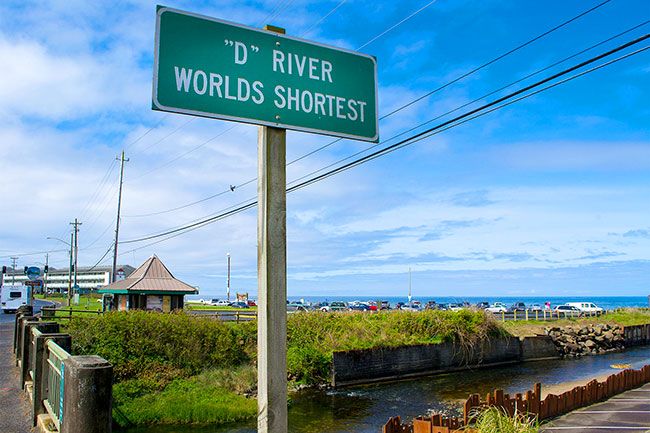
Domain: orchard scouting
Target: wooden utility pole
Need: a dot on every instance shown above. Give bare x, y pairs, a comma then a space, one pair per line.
45, 272
117, 221
70, 272
74, 245
272, 278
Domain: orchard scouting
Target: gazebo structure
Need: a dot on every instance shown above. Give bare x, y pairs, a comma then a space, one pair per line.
150, 287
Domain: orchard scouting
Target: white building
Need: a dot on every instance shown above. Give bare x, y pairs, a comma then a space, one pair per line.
58, 279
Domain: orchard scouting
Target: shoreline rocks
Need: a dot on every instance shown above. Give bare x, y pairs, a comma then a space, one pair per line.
576, 341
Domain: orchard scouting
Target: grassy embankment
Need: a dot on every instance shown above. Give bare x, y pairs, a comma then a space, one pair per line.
622, 317
173, 368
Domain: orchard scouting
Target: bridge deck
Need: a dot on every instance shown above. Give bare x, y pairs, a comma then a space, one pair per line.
627, 412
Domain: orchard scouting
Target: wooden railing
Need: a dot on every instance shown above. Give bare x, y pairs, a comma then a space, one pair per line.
529, 403
64, 313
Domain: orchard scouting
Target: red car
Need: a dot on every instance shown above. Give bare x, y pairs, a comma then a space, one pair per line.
251, 303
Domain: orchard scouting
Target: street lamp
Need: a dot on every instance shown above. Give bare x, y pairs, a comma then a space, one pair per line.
70, 268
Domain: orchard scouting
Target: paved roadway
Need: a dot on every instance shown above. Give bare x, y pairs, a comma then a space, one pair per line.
38, 303
14, 407
627, 412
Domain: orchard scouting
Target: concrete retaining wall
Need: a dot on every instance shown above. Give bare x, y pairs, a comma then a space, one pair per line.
637, 335
373, 365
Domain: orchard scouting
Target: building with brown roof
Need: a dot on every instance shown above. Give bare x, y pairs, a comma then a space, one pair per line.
150, 287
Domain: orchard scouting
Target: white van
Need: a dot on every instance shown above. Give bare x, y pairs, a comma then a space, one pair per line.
13, 297
586, 307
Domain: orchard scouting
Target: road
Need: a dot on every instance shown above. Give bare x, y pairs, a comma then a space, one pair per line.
38, 303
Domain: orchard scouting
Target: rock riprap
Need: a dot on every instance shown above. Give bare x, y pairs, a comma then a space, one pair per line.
576, 341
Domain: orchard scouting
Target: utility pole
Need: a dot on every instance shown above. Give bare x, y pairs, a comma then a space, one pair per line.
76, 225
228, 285
117, 223
13, 271
70, 272
46, 270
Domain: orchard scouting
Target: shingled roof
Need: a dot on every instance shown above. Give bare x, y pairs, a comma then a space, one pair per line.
152, 276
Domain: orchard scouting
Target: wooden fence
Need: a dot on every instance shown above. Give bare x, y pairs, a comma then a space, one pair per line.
529, 403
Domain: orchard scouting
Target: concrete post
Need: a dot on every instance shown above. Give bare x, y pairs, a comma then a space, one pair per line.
19, 314
41, 366
87, 401
27, 346
271, 282
18, 335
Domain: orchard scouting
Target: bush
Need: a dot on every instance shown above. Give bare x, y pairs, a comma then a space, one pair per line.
145, 343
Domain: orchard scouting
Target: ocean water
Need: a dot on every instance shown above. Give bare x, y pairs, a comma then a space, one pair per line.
606, 302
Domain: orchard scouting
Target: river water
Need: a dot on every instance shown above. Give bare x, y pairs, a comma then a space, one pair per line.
364, 409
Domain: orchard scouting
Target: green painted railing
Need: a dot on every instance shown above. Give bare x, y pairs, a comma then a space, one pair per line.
53, 397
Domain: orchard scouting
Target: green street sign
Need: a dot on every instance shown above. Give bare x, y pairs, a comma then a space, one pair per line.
207, 67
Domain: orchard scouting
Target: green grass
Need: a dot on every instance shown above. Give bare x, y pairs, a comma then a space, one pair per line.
213, 397
621, 317
495, 420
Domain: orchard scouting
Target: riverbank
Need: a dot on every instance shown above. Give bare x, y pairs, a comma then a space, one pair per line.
161, 359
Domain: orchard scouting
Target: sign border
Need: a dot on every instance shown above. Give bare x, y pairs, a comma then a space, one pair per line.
156, 105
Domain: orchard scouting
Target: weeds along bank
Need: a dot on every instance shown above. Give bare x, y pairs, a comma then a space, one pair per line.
176, 368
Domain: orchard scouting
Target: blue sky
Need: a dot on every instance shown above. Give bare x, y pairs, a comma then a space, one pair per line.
548, 196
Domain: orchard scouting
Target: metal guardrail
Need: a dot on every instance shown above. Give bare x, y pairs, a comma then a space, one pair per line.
53, 397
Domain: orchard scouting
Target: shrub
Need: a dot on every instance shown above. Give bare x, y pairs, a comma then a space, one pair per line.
138, 342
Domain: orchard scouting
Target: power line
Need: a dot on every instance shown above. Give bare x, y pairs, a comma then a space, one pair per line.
341, 3
459, 78
424, 134
185, 153
496, 59
397, 24
110, 248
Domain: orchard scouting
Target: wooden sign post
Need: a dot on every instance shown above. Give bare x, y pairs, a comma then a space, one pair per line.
272, 279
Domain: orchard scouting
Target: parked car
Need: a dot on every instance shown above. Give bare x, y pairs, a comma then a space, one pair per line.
296, 306
442, 307
219, 303
335, 306
497, 307
360, 306
431, 305
239, 304
517, 306
586, 307
385, 305
412, 307
568, 310
535, 307
251, 303
456, 307
483, 305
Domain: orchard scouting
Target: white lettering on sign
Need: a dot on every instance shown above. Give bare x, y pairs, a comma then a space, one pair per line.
319, 104
217, 85
240, 89
318, 69
241, 53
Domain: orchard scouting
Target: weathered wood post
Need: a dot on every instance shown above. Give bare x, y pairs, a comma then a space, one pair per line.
272, 282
